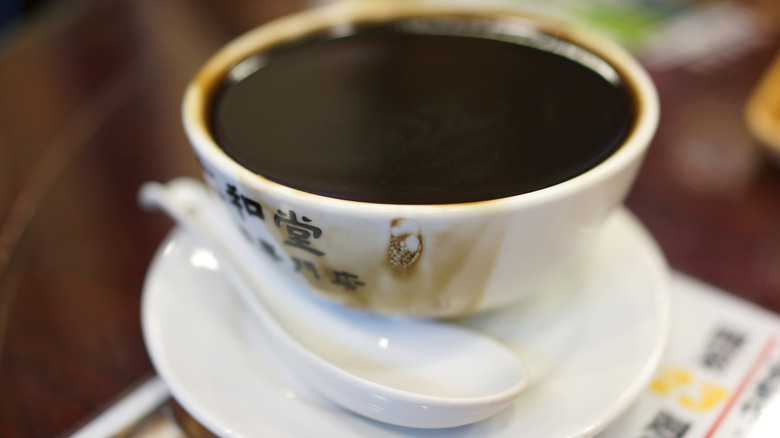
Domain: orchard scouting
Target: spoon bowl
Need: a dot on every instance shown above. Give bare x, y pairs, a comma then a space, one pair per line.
398, 370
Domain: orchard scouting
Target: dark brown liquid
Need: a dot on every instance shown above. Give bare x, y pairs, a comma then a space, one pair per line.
419, 119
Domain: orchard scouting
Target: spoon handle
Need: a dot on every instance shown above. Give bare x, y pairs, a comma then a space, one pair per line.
182, 200
179, 202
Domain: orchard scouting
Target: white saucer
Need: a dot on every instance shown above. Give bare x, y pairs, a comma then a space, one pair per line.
591, 339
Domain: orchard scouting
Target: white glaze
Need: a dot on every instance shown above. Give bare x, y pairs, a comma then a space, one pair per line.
591, 339
469, 257
401, 371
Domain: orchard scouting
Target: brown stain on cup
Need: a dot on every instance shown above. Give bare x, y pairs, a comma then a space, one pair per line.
472, 255
405, 246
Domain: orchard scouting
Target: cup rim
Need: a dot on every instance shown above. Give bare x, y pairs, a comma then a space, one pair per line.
205, 83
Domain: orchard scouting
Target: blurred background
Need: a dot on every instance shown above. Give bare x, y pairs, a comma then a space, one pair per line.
89, 109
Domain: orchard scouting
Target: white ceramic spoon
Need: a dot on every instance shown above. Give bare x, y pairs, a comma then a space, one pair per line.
402, 371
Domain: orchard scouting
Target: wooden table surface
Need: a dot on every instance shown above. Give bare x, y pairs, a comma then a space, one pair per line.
89, 110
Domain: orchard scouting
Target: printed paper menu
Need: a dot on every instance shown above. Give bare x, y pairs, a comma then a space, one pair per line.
720, 375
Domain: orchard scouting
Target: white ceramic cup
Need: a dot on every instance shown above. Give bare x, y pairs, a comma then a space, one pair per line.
443, 260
